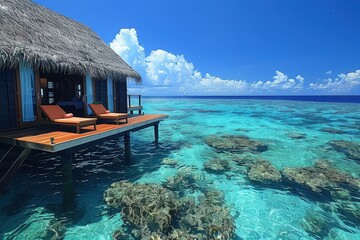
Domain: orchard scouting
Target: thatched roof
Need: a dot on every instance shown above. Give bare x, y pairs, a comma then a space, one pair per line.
54, 43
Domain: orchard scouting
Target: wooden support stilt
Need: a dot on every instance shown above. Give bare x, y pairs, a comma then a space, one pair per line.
127, 146
10, 163
68, 181
156, 133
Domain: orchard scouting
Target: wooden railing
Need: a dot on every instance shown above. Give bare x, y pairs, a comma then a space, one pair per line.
135, 107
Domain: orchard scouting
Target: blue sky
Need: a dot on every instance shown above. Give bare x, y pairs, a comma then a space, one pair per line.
231, 47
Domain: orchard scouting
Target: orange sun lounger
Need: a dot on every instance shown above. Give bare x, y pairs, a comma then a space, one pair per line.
101, 112
56, 115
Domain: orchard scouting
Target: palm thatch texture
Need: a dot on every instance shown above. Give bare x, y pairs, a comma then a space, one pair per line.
54, 43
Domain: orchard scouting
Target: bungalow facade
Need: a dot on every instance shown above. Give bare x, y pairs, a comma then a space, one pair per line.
47, 58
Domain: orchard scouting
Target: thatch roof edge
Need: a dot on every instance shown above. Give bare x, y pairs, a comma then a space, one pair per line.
51, 42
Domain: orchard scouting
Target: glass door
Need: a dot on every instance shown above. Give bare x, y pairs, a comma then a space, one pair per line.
27, 97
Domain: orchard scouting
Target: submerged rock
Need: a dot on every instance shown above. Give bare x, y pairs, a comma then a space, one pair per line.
351, 149
234, 143
340, 193
348, 211
295, 135
217, 165
316, 224
332, 130
262, 171
322, 178
242, 130
151, 211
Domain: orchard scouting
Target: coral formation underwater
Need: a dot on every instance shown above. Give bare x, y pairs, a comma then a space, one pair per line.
151, 211
351, 149
233, 143
185, 207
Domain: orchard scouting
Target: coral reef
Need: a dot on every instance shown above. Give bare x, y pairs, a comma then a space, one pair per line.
170, 162
262, 171
217, 165
332, 130
351, 149
234, 143
209, 216
154, 212
244, 160
186, 180
322, 178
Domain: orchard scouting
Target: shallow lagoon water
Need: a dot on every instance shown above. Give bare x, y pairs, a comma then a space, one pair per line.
31, 207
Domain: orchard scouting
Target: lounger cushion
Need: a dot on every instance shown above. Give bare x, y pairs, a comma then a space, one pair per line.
53, 111
114, 115
75, 120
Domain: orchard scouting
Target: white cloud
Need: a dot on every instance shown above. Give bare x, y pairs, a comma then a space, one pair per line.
165, 73
282, 82
328, 72
343, 83
126, 44
164, 68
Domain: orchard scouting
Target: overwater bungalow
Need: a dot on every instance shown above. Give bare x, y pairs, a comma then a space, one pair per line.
49, 59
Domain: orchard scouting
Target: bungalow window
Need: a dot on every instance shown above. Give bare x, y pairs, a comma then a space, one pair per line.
47, 91
78, 91
100, 91
50, 92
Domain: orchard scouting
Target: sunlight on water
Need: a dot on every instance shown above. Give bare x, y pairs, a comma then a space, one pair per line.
296, 135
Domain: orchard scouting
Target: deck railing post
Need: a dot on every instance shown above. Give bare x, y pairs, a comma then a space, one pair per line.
127, 146
156, 133
139, 104
68, 181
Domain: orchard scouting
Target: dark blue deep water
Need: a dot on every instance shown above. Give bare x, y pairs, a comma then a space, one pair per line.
308, 98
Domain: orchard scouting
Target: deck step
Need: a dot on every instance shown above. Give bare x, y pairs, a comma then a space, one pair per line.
10, 164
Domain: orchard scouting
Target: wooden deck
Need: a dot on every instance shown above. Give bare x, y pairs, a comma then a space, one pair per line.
39, 137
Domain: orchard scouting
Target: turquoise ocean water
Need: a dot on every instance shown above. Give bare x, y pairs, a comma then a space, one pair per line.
292, 130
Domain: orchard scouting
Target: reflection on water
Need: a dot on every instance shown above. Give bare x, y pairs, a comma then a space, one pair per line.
303, 184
